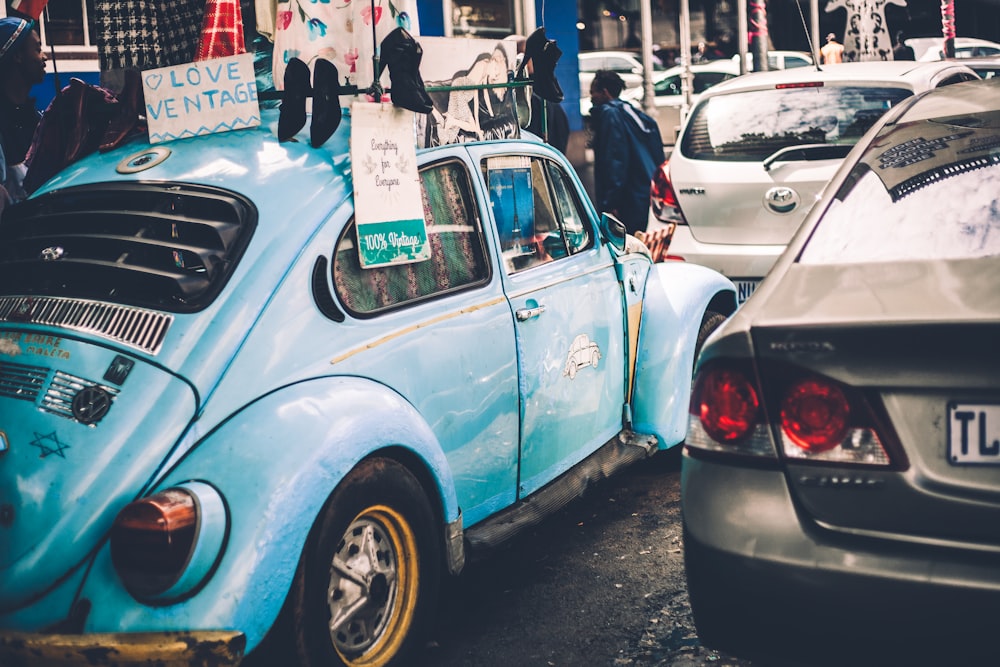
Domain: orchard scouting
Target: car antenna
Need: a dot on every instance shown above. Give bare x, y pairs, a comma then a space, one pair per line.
812, 46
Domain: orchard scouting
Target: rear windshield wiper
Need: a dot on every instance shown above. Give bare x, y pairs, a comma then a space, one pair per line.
807, 152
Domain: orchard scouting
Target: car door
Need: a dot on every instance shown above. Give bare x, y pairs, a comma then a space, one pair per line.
566, 301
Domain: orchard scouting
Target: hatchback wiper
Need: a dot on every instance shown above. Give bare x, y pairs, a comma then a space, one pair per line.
804, 152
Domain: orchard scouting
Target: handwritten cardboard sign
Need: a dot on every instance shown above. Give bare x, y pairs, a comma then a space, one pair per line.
388, 206
201, 98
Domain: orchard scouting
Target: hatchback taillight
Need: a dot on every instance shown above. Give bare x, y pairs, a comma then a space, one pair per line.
662, 198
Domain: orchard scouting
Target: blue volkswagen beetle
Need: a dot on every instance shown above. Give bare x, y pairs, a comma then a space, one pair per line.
216, 420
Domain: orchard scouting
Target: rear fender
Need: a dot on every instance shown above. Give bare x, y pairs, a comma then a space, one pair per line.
676, 298
275, 463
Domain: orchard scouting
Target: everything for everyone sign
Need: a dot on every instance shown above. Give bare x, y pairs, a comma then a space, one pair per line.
201, 98
388, 206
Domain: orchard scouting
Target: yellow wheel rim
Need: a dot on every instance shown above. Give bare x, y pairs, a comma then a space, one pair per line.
374, 583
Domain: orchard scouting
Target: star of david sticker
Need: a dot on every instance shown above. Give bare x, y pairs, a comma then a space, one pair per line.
49, 444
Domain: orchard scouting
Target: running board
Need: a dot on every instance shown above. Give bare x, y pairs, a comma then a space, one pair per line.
621, 451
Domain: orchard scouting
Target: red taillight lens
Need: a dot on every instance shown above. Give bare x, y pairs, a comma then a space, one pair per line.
726, 403
152, 539
815, 414
662, 198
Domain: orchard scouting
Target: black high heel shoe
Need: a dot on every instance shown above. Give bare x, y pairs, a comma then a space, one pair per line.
292, 115
402, 54
543, 53
326, 112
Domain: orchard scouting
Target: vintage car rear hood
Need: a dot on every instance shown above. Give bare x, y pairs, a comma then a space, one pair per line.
62, 479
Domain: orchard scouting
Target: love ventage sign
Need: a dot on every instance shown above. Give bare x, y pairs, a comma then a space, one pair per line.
202, 97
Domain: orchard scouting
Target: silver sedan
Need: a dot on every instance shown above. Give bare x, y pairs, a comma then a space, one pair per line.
841, 476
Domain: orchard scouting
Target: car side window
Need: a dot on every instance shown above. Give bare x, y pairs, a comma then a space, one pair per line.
671, 85
538, 217
956, 78
458, 252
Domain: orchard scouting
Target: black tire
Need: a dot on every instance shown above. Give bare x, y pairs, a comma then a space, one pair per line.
711, 321
365, 591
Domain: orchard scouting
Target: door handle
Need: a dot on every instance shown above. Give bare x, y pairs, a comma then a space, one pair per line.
523, 314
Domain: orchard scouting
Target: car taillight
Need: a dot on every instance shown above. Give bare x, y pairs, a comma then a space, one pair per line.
164, 545
726, 413
662, 198
822, 420
152, 538
727, 404
814, 415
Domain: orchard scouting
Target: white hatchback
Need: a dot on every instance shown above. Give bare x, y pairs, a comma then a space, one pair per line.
757, 151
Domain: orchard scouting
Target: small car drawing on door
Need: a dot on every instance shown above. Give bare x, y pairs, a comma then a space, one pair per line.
582, 353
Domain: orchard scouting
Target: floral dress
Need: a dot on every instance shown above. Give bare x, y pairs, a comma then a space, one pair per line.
340, 31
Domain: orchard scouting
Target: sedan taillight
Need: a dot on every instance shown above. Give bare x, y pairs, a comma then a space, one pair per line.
822, 420
662, 198
726, 413
816, 418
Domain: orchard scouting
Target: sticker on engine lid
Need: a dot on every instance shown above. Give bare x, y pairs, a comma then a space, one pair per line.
15, 343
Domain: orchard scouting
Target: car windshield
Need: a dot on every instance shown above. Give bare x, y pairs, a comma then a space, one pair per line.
750, 126
929, 194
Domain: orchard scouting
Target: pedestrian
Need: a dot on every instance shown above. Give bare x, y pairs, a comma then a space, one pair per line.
627, 150
901, 51
833, 51
22, 65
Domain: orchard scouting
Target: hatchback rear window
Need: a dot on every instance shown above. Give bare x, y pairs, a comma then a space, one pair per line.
750, 126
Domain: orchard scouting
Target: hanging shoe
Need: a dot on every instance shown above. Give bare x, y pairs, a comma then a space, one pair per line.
546, 84
543, 53
326, 112
402, 54
533, 45
292, 115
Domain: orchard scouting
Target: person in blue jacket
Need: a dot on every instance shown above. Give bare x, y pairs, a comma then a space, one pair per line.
627, 150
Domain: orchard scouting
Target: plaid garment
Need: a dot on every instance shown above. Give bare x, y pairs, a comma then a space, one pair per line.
145, 34
222, 32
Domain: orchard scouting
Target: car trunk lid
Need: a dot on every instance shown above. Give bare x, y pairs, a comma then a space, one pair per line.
918, 341
741, 204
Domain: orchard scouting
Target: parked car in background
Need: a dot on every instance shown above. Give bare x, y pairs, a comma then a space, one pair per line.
226, 408
841, 475
932, 48
627, 64
669, 95
779, 60
757, 151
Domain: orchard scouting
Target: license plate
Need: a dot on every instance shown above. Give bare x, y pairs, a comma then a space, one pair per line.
744, 288
974, 433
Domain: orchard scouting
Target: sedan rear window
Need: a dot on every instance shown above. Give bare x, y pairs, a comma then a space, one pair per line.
924, 190
750, 126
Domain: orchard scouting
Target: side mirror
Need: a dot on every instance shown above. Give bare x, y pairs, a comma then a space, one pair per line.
613, 230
